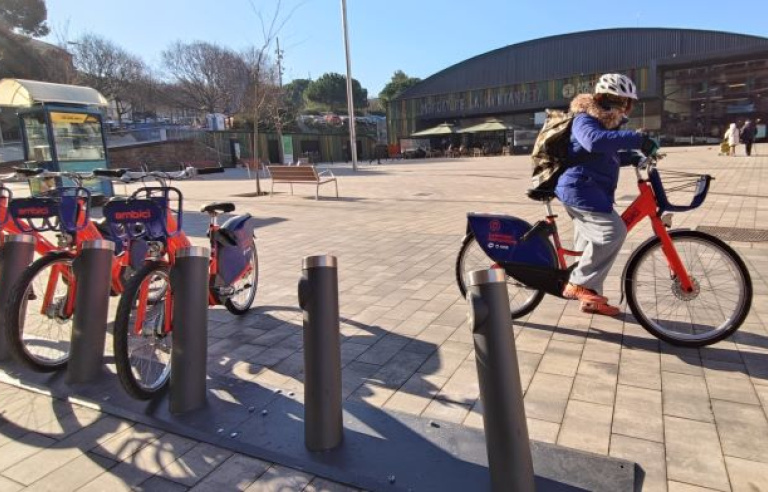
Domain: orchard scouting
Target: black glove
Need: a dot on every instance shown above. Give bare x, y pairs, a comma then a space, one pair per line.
650, 146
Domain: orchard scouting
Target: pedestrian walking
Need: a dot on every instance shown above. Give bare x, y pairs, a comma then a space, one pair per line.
732, 135
748, 136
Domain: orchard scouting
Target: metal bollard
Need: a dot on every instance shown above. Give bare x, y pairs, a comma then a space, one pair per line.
15, 256
189, 354
506, 431
319, 299
93, 272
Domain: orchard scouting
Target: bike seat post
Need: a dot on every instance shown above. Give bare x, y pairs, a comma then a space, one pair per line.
548, 207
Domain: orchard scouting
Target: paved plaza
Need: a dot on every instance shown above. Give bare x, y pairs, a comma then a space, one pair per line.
694, 420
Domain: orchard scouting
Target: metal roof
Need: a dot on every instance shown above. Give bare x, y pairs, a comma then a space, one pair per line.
24, 93
582, 52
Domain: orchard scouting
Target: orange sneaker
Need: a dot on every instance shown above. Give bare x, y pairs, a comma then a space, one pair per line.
599, 307
573, 291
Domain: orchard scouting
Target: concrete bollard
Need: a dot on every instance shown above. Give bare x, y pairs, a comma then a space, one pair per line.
189, 354
319, 299
16, 253
506, 430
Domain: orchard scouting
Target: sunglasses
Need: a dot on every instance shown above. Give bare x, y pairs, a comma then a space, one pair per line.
615, 102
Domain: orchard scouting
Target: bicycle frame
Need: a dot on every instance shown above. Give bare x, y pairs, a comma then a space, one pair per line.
645, 205
175, 242
535, 256
88, 232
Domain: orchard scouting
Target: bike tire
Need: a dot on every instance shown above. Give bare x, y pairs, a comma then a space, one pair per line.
518, 310
671, 293
17, 320
130, 379
242, 308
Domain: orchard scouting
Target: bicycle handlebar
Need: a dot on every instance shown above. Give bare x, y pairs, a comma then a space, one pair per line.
131, 176
210, 170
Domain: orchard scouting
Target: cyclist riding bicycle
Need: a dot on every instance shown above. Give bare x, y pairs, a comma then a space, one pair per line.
588, 185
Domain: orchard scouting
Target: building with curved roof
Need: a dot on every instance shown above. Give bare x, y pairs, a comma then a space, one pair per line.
692, 83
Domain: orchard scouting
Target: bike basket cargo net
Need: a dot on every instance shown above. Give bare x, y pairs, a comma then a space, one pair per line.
678, 191
60, 210
134, 218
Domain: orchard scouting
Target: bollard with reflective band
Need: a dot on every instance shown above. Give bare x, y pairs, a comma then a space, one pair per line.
189, 353
319, 299
506, 431
16, 253
93, 272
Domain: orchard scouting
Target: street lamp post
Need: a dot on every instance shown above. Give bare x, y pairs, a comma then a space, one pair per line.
350, 101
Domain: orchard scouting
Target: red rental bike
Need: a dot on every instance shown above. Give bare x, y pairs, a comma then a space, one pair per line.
683, 286
153, 216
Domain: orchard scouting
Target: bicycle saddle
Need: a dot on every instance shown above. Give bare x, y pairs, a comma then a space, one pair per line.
221, 207
541, 195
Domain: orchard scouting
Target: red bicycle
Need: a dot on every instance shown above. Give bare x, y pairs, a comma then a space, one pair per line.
153, 219
41, 305
683, 286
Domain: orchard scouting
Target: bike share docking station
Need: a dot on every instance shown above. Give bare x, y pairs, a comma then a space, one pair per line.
16, 253
356, 443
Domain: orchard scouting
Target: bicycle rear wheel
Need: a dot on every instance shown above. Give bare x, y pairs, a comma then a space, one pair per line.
718, 305
142, 344
522, 299
245, 288
38, 326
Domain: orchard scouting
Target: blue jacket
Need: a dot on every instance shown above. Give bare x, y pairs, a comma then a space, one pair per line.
589, 183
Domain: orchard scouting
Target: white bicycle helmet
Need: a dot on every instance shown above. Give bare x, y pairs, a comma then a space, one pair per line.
616, 84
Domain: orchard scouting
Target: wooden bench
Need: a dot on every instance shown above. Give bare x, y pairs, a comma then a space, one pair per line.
306, 174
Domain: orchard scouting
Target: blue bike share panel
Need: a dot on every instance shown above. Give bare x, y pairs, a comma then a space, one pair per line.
501, 238
235, 240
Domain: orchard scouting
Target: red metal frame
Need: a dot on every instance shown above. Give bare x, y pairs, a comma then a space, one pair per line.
174, 244
644, 206
89, 233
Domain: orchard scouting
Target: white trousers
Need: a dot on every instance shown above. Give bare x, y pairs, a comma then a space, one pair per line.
600, 237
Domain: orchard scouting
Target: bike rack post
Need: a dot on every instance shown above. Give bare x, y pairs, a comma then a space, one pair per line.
319, 299
92, 269
189, 353
15, 255
506, 430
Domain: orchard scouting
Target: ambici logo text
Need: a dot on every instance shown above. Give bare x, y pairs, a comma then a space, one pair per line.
33, 212
133, 215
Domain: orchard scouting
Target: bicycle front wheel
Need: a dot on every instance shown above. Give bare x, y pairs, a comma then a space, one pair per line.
38, 315
718, 305
522, 299
142, 340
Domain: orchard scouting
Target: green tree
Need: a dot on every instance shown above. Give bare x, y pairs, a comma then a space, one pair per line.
396, 86
293, 93
24, 17
331, 90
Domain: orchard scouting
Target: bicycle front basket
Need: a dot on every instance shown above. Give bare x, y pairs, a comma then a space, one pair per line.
678, 186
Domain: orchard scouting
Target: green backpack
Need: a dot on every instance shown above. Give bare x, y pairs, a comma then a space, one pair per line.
550, 153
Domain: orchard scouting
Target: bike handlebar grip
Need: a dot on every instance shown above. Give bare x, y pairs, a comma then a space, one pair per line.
506, 430
109, 173
27, 171
93, 274
189, 353
319, 299
210, 170
16, 253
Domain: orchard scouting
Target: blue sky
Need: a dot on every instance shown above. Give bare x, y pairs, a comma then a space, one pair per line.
420, 37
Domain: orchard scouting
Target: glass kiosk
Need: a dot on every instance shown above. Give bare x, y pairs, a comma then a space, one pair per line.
62, 130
